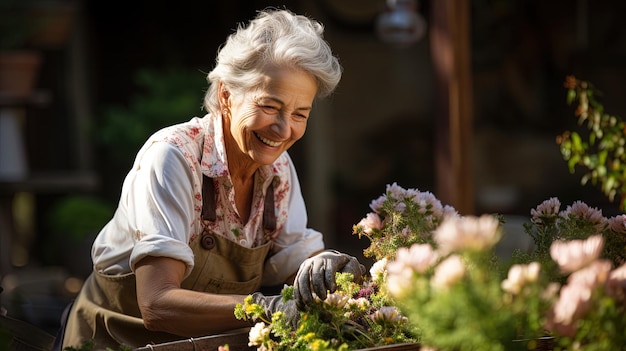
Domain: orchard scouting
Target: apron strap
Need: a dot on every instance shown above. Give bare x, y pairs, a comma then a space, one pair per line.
208, 199
209, 204
269, 212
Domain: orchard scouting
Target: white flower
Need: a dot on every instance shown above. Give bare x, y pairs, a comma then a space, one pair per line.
336, 299
467, 233
361, 303
388, 314
520, 275
379, 269
448, 272
258, 334
574, 254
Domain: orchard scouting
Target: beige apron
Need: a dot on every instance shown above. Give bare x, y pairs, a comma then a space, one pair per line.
106, 310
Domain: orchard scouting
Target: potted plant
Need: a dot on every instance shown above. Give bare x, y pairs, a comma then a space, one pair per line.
74, 222
27, 27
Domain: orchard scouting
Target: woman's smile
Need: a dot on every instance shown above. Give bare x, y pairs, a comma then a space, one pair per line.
267, 141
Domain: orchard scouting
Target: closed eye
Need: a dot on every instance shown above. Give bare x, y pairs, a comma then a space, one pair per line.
301, 115
269, 109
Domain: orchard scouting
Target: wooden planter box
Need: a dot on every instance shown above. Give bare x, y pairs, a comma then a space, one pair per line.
239, 342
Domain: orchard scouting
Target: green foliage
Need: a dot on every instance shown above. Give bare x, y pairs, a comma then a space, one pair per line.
166, 97
474, 313
79, 216
599, 149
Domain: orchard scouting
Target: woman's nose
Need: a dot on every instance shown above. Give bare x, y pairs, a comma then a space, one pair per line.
280, 126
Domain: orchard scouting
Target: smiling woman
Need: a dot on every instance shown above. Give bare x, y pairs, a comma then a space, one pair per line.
211, 210
275, 114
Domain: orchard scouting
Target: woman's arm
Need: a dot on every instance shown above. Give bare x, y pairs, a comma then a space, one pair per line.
166, 307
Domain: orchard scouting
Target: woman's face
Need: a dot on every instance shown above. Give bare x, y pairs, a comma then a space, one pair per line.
266, 122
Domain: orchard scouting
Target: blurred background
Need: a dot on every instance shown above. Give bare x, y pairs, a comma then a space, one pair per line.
461, 98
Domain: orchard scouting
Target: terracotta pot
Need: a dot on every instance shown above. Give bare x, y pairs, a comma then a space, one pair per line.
18, 73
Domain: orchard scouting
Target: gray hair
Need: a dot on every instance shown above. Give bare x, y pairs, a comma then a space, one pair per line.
274, 38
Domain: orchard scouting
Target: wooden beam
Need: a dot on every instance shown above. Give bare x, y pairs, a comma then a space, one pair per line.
451, 58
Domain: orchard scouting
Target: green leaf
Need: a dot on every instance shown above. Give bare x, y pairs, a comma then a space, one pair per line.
571, 96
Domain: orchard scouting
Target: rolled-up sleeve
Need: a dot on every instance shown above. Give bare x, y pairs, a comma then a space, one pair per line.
161, 207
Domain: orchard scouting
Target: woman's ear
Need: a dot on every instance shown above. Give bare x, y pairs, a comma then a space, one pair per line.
224, 95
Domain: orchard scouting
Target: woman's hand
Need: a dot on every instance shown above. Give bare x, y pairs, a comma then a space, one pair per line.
316, 275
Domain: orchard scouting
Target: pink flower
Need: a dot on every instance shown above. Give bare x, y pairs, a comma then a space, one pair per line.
427, 202
616, 284
519, 275
467, 233
546, 211
593, 275
370, 223
449, 211
581, 210
573, 303
395, 191
574, 254
399, 278
574, 300
618, 224
377, 205
418, 258
448, 272
400, 207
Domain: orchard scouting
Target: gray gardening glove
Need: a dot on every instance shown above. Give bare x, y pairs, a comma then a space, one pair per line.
317, 275
275, 303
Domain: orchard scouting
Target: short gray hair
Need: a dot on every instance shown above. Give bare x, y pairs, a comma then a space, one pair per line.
274, 38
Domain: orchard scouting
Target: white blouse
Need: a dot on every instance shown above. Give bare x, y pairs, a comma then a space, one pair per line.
161, 202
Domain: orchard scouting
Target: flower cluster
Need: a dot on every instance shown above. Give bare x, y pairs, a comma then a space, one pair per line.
590, 308
400, 218
577, 221
437, 281
453, 290
571, 288
355, 316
